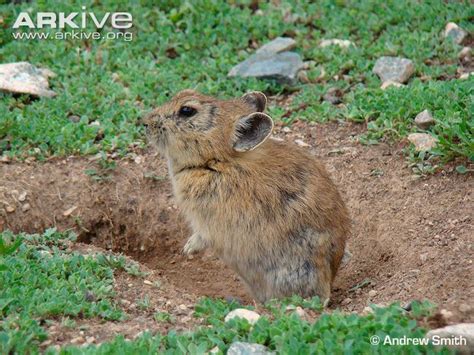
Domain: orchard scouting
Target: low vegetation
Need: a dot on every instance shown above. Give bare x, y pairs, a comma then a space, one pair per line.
104, 86
43, 279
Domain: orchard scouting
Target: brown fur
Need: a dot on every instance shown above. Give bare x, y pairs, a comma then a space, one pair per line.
272, 213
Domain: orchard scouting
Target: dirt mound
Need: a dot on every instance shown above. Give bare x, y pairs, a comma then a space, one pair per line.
412, 237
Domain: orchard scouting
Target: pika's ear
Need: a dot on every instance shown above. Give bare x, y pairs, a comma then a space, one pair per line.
251, 131
255, 99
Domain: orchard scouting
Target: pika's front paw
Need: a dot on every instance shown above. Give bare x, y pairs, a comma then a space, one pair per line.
194, 244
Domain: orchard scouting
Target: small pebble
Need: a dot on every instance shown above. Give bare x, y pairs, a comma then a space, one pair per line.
300, 312
446, 314
78, 340
22, 196
346, 301
343, 43
10, 209
367, 310
465, 53
251, 316
214, 350
466, 75
46, 343
301, 143
424, 257
424, 120
422, 141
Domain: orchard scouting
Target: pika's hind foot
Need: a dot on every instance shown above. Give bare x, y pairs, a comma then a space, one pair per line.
194, 244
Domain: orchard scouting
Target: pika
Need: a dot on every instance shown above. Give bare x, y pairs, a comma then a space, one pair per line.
268, 209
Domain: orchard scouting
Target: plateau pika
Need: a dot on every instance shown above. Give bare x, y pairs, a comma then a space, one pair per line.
268, 209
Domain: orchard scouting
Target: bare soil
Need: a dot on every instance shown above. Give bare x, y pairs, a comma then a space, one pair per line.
412, 236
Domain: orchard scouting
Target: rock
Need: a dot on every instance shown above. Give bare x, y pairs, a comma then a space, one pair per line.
346, 301
466, 75
367, 310
422, 141
10, 209
447, 315
394, 68
300, 312
182, 309
301, 143
423, 257
389, 83
69, 211
456, 33
465, 53
333, 96
240, 348
424, 120
26, 207
90, 340
149, 283
78, 340
343, 43
125, 302
372, 293
278, 45
272, 61
46, 343
74, 118
22, 196
251, 316
461, 337
286, 129
282, 67
24, 78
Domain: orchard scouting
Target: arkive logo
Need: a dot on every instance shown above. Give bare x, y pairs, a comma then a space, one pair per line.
118, 20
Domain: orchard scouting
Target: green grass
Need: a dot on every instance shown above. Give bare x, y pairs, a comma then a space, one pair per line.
282, 331
208, 38
42, 280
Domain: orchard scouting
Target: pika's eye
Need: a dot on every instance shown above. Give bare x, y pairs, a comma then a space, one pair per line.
187, 111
